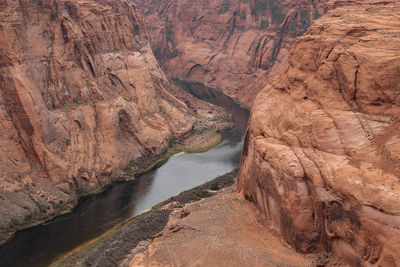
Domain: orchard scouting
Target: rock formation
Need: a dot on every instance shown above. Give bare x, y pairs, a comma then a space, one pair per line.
222, 230
321, 159
234, 45
81, 94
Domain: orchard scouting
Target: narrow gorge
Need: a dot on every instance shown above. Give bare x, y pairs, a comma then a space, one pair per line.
234, 45
131, 118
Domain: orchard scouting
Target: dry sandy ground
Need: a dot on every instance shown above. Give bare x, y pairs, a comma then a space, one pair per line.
222, 230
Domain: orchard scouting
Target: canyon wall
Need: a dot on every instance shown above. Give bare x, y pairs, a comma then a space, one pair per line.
81, 94
233, 45
321, 159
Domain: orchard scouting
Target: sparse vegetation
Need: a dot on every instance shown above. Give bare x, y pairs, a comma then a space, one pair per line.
147, 163
201, 193
214, 186
100, 188
114, 245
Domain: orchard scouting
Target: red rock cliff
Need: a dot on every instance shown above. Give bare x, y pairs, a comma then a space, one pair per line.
234, 45
321, 159
81, 94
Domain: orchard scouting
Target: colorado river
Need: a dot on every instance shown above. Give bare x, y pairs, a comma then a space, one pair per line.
94, 215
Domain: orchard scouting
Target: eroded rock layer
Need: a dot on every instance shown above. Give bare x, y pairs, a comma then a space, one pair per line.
233, 45
218, 231
81, 94
321, 158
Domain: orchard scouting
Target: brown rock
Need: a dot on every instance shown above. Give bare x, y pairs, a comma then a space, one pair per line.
229, 44
222, 230
390, 254
81, 96
321, 153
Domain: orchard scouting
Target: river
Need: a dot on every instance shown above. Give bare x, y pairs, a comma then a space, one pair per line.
95, 214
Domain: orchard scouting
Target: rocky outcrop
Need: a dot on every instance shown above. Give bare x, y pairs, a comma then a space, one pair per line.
81, 95
321, 159
233, 45
222, 230
208, 225
119, 245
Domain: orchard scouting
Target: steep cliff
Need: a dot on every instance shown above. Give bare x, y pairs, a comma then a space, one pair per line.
322, 153
81, 95
234, 45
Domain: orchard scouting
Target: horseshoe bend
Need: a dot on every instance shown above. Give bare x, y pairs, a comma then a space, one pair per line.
207, 132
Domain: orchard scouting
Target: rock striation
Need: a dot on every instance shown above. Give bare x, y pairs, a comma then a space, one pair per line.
321, 159
233, 45
81, 94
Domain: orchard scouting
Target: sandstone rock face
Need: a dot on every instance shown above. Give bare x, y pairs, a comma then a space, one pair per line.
234, 45
81, 94
321, 157
218, 231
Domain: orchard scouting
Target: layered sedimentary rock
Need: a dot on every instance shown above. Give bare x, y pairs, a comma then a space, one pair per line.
81, 94
233, 45
321, 159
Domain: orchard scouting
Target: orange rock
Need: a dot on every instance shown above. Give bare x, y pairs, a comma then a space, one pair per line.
222, 230
321, 154
390, 254
81, 95
229, 44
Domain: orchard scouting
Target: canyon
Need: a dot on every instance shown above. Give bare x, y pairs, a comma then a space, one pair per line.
82, 95
87, 94
233, 45
321, 160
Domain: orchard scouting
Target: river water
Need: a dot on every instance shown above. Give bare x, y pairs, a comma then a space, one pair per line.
94, 215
